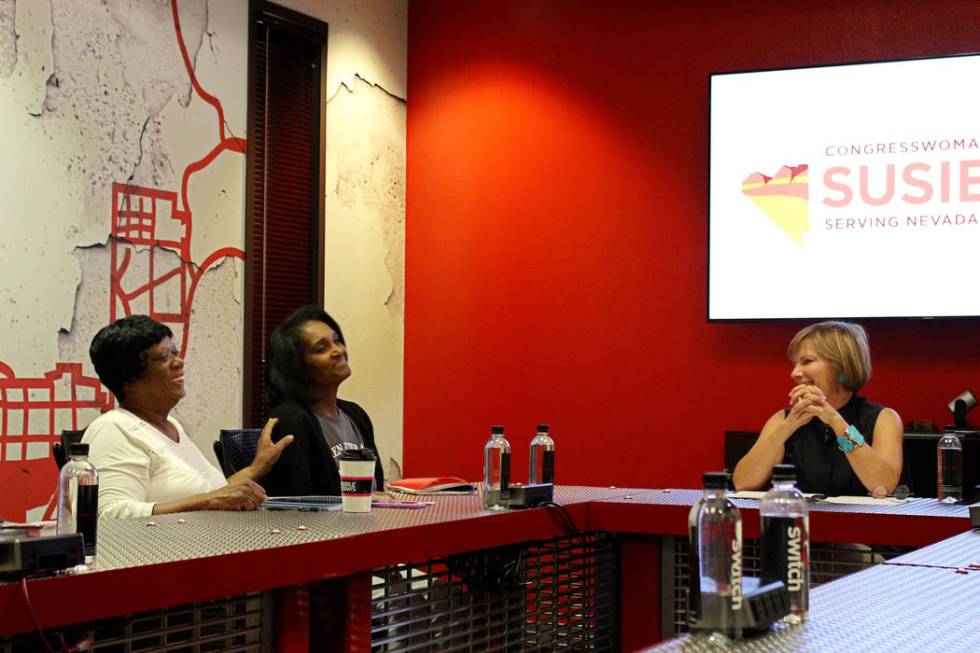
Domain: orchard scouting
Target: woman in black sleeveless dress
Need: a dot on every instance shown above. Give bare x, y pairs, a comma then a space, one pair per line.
840, 442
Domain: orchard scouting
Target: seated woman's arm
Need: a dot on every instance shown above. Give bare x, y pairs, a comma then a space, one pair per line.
880, 465
124, 472
124, 479
242, 495
755, 468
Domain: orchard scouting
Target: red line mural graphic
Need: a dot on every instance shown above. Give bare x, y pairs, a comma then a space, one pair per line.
33, 413
151, 272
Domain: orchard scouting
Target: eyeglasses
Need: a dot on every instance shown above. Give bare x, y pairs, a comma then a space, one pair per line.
164, 359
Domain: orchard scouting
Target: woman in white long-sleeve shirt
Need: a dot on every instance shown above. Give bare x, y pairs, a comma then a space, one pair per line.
147, 465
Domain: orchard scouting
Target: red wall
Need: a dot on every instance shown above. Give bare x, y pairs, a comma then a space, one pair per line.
557, 225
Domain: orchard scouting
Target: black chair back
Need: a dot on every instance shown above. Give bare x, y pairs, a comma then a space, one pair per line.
737, 444
59, 450
219, 453
905, 478
237, 449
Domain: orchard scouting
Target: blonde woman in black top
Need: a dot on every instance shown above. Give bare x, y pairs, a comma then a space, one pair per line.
840, 442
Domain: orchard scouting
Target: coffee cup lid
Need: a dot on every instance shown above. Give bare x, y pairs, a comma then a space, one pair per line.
357, 455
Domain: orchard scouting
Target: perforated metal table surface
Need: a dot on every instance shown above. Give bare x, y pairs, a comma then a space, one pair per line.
170, 538
884, 609
686, 497
959, 552
664, 512
152, 562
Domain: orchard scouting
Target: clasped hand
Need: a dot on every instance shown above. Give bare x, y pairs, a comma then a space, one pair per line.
807, 402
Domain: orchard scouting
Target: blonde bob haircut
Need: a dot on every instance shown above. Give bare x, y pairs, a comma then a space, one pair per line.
842, 343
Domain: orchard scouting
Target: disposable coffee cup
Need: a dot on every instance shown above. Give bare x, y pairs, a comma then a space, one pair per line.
356, 479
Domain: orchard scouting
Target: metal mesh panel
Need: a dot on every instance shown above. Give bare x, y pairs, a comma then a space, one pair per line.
232, 624
561, 594
828, 561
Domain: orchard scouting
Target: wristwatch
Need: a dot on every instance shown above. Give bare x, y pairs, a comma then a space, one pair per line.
850, 439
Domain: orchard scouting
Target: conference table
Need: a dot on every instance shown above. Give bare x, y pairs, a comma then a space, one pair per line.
926, 600
591, 573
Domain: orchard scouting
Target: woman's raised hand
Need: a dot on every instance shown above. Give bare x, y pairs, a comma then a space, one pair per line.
267, 452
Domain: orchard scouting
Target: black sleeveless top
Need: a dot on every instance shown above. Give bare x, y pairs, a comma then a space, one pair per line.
821, 466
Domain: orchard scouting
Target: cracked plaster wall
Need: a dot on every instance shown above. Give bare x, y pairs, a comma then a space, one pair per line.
365, 199
8, 38
94, 92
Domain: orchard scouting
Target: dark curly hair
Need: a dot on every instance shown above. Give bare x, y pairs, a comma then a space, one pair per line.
287, 377
118, 350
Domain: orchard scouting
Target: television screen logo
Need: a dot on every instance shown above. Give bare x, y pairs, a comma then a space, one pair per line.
784, 198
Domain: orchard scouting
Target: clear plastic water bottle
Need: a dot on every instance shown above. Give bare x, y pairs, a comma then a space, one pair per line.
496, 470
786, 540
949, 470
693, 566
716, 544
542, 457
78, 499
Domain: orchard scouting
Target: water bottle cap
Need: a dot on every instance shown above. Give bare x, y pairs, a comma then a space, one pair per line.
783, 472
715, 480
497, 430
77, 449
542, 427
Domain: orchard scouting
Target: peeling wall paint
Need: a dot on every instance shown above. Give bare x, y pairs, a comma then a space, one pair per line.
364, 283
367, 38
100, 120
365, 248
8, 38
117, 67
120, 185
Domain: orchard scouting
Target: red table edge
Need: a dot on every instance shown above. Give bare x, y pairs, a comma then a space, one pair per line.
137, 589
148, 587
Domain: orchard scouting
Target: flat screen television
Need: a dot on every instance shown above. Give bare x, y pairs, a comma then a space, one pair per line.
845, 191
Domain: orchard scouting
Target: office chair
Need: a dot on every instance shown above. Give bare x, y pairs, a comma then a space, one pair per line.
219, 453
237, 449
59, 450
905, 478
